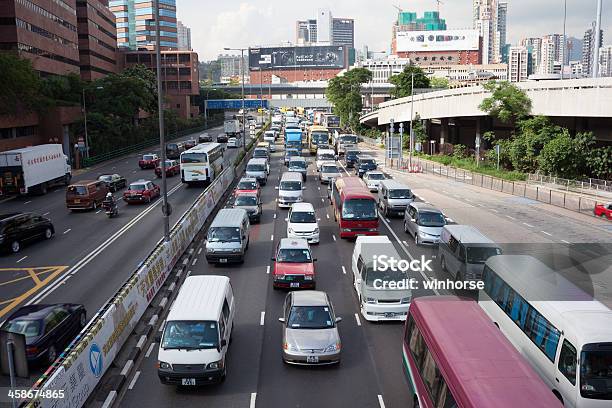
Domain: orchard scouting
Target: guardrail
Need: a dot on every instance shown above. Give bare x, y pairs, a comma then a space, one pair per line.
591, 186
82, 364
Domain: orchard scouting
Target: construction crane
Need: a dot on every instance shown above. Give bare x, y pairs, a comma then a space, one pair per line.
438, 2
398, 8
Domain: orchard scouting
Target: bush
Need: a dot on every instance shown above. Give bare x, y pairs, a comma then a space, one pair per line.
460, 151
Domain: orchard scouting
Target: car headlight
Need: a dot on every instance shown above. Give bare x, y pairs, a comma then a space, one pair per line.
308, 277
290, 347
423, 234
405, 300
373, 229
333, 347
215, 365
370, 300
236, 250
279, 277
316, 231
210, 250
164, 366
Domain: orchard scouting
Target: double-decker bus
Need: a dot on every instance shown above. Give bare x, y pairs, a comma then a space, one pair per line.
354, 208
455, 357
202, 163
317, 135
564, 333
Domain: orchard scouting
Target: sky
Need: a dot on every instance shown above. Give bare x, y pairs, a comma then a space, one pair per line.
241, 24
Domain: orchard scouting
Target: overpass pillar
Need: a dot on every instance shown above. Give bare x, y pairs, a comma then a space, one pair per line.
443, 131
480, 128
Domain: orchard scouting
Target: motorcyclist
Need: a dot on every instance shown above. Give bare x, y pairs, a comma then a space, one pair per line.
110, 203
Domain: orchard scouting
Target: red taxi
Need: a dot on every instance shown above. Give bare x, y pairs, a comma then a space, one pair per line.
148, 161
603, 211
247, 185
172, 168
142, 191
293, 265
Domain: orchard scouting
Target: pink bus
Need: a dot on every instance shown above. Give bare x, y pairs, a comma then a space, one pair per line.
455, 357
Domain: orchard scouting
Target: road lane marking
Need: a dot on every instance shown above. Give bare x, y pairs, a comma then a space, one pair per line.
511, 217
200, 251
148, 353
45, 214
529, 225
405, 243
274, 215
98, 212
262, 319
344, 270
27, 202
322, 200
494, 210
357, 319
195, 261
272, 237
133, 382
327, 215
380, 401
268, 270
253, 398
547, 233
566, 242
67, 231
334, 237
22, 259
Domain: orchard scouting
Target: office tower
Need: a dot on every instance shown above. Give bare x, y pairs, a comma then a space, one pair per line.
605, 61
534, 47
588, 44
184, 37
343, 32
136, 27
490, 18
97, 39
547, 56
333, 30
518, 64
324, 27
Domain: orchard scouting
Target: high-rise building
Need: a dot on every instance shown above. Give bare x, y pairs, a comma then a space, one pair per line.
547, 56
588, 51
325, 30
490, 19
136, 28
184, 37
97, 39
605, 61
324, 27
305, 32
534, 47
408, 21
343, 32
518, 64
231, 67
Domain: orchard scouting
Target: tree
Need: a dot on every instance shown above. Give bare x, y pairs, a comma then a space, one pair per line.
418, 131
508, 102
63, 89
403, 81
344, 92
565, 156
439, 83
600, 162
20, 85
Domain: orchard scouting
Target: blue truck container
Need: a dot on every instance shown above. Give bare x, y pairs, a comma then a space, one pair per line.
293, 138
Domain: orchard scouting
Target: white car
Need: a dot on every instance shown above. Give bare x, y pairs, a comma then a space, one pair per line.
270, 139
373, 179
324, 155
329, 170
233, 142
302, 223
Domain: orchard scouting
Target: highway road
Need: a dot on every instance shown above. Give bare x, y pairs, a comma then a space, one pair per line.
90, 256
371, 373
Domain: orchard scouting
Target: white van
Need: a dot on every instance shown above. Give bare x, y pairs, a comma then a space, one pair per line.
227, 238
258, 168
290, 189
195, 339
325, 155
379, 298
393, 197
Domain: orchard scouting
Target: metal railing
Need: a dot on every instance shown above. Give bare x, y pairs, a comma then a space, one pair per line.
591, 186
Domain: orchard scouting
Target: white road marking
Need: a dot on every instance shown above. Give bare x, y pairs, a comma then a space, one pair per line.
529, 225
322, 200
405, 243
98, 212
67, 231
268, 270
388, 220
274, 215
334, 237
148, 353
22, 259
185, 261
511, 217
253, 398
45, 214
133, 382
200, 251
195, 261
344, 270
327, 215
262, 318
566, 242
27, 202
272, 237
357, 319
380, 401
547, 233
494, 210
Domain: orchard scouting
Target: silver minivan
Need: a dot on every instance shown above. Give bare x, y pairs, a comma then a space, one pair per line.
290, 189
463, 251
393, 197
228, 236
424, 222
258, 168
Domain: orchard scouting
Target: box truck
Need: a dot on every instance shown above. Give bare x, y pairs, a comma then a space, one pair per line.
231, 127
33, 169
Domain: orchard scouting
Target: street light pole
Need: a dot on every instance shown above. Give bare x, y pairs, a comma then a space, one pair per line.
411, 120
564, 40
162, 140
243, 111
595, 73
85, 119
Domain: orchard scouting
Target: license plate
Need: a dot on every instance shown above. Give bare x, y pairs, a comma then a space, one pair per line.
223, 260
312, 359
294, 285
77, 201
188, 381
390, 314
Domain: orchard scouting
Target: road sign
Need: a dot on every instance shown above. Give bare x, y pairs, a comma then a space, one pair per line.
394, 148
236, 103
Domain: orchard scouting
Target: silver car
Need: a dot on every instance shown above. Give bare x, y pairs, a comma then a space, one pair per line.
424, 222
310, 329
329, 170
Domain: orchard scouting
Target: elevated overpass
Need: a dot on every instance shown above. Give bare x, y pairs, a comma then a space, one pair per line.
579, 104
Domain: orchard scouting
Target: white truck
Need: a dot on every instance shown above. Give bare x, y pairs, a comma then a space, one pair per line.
231, 127
33, 169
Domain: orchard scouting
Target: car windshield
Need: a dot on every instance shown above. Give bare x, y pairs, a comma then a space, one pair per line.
224, 234
138, 187
318, 138
293, 255
193, 158
105, 178
431, 219
168, 163
247, 185
303, 217
596, 374
329, 169
172, 147
297, 164
400, 193
255, 167
348, 139
292, 153
77, 190
310, 317
352, 154
480, 254
367, 161
326, 156
191, 335
246, 200
359, 209
260, 153
290, 185
377, 176
148, 157
388, 275
27, 327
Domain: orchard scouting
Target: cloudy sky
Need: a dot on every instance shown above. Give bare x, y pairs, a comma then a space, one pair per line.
239, 23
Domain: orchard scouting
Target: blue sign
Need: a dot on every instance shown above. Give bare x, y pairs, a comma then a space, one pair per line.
237, 103
95, 360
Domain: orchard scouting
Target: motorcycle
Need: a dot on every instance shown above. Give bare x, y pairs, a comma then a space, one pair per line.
111, 209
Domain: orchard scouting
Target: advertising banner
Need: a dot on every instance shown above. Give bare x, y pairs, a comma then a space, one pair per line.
317, 56
446, 40
98, 344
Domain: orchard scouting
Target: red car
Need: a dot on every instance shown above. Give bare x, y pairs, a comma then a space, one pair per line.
148, 161
172, 168
247, 185
603, 210
142, 191
190, 143
293, 265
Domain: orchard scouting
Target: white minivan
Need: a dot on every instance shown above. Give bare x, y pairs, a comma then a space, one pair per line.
290, 189
197, 332
379, 291
302, 223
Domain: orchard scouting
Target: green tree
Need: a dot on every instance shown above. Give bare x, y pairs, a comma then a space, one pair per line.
439, 83
403, 81
600, 162
63, 89
19, 85
507, 102
344, 92
418, 130
565, 156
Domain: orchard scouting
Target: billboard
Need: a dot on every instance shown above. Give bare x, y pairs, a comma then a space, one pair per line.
441, 40
317, 56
